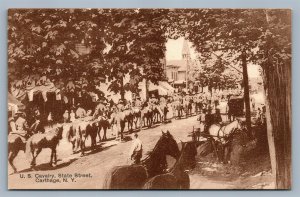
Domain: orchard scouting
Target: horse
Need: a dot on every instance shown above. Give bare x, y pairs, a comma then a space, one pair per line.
147, 113
38, 141
137, 113
222, 135
128, 117
177, 178
160, 112
103, 123
16, 143
134, 176
78, 134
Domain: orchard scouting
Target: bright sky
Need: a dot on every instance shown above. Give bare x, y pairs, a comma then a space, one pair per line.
174, 49
174, 52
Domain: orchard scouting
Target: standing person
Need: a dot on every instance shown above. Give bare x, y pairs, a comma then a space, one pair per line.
115, 122
72, 116
110, 101
218, 117
136, 150
209, 120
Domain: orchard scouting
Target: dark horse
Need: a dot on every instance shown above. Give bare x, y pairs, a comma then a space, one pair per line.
78, 134
102, 124
177, 178
38, 141
16, 143
134, 176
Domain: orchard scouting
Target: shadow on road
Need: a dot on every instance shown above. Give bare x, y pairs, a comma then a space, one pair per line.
98, 149
46, 166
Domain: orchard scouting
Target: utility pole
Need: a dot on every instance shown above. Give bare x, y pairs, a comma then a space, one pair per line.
246, 92
187, 74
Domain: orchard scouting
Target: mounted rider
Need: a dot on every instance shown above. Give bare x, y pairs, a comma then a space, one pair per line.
18, 125
120, 106
80, 112
138, 103
101, 109
37, 126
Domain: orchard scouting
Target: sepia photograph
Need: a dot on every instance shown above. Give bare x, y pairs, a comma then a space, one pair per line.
149, 99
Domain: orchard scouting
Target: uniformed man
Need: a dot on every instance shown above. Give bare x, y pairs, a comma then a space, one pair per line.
21, 126
37, 126
136, 150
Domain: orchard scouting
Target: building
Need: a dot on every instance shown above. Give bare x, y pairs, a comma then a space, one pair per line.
178, 71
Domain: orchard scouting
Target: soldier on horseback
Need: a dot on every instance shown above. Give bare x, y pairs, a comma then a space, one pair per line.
18, 125
38, 125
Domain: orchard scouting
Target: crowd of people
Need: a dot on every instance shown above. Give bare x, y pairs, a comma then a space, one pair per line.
79, 106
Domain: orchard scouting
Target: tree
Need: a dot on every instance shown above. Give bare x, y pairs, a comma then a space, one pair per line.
42, 40
252, 36
137, 48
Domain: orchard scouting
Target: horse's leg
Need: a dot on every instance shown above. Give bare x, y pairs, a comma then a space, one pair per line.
33, 157
11, 157
51, 157
55, 156
99, 130
36, 154
104, 134
82, 146
73, 146
122, 124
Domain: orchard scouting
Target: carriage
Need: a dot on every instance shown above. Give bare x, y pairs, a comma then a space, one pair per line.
235, 107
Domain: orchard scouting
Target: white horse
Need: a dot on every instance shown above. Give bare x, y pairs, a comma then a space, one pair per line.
221, 133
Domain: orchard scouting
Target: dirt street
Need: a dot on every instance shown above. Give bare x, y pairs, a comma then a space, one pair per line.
88, 172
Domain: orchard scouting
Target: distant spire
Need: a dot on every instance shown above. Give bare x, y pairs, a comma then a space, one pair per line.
185, 49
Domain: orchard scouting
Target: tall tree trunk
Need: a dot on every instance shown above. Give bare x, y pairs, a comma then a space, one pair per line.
277, 81
278, 87
270, 134
147, 89
246, 92
122, 91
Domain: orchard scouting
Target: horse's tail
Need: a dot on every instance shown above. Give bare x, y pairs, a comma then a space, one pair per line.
28, 149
